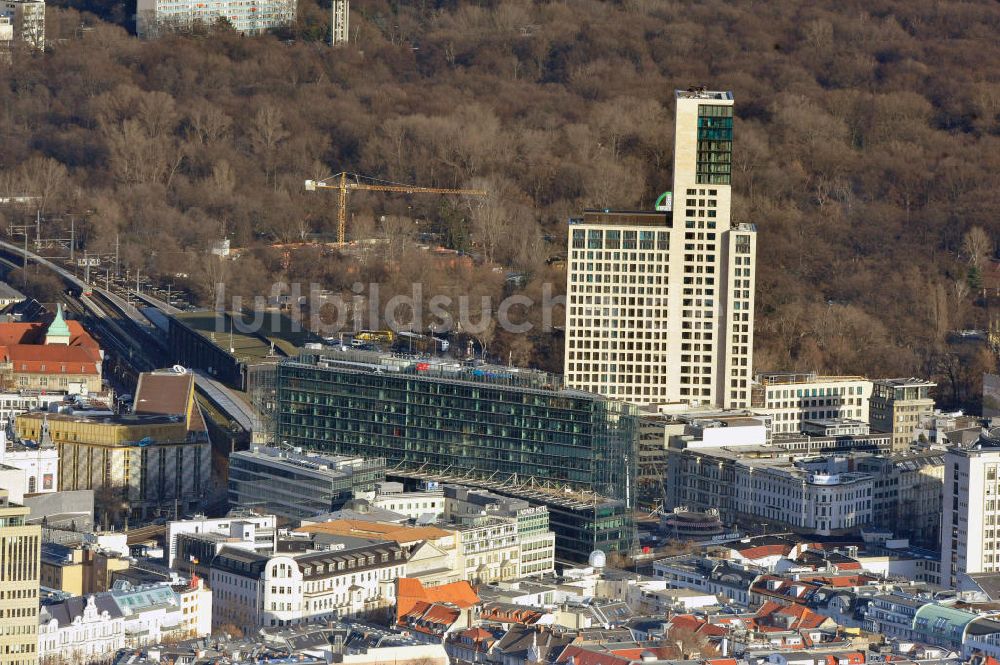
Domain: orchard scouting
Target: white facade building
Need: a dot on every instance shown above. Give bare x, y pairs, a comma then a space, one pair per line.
80, 629
92, 628
535, 555
27, 18
428, 503
769, 484
660, 304
251, 17
6, 32
251, 591
819, 495
14, 404
489, 549
244, 526
156, 612
38, 463
970, 511
793, 398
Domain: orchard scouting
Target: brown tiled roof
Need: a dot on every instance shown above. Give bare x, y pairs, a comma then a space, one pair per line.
164, 394
381, 530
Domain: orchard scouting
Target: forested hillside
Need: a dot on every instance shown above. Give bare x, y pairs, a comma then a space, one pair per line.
867, 150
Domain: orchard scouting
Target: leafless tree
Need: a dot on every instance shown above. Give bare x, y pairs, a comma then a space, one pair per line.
975, 244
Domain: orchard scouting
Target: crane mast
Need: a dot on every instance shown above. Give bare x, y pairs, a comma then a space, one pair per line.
341, 183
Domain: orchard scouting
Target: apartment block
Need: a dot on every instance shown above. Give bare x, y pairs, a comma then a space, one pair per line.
829, 435
20, 554
970, 514
90, 629
289, 482
253, 531
427, 502
898, 406
660, 304
27, 21
753, 485
535, 554
251, 590
6, 37
907, 493
80, 569
250, 17
792, 398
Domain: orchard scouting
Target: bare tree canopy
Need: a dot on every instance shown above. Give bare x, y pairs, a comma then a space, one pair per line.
867, 151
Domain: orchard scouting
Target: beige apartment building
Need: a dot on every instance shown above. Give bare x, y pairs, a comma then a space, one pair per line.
20, 552
660, 303
898, 405
792, 398
27, 18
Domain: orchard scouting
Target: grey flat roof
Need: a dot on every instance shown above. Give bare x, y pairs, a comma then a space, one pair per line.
695, 92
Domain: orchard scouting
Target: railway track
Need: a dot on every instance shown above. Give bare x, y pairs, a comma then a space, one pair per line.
116, 331
115, 323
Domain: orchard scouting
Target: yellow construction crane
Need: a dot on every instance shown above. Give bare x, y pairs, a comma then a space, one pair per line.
352, 181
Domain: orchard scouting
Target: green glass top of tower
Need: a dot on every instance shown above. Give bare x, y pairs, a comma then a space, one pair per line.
715, 144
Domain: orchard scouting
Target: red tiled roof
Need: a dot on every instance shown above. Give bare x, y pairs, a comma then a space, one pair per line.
430, 618
54, 352
441, 614
663, 653
695, 625
598, 655
802, 616
520, 615
410, 591
33, 334
477, 634
582, 656
23, 345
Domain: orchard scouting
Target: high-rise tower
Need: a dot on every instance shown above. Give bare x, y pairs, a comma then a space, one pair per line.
660, 304
20, 554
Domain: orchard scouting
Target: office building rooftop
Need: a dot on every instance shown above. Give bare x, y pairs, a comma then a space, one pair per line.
307, 461
700, 92
379, 362
906, 382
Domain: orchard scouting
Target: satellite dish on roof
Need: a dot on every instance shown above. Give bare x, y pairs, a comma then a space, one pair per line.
179, 369
597, 559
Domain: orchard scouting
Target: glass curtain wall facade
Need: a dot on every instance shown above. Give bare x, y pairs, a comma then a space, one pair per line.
478, 423
715, 144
